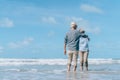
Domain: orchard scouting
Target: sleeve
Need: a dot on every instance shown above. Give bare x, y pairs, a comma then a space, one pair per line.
65, 39
88, 38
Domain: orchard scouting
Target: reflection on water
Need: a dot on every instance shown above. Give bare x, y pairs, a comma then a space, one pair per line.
78, 76
57, 72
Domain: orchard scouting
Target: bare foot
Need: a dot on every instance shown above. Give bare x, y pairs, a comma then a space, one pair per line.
68, 68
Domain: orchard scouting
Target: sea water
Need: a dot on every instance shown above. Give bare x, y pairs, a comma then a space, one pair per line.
55, 69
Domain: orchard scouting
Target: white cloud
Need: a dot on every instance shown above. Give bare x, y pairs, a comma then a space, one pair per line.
82, 23
90, 8
6, 22
1, 48
50, 20
94, 30
74, 18
21, 44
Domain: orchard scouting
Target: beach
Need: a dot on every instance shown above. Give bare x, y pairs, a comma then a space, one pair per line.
55, 69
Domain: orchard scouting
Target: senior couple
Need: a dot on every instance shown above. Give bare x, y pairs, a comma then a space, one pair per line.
76, 42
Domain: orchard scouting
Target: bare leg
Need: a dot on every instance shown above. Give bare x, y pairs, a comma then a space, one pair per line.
86, 60
86, 64
81, 67
69, 65
74, 69
70, 55
81, 60
75, 57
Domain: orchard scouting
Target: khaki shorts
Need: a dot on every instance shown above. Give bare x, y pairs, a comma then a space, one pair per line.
72, 55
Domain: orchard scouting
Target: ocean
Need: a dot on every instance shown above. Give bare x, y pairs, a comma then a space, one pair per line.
55, 69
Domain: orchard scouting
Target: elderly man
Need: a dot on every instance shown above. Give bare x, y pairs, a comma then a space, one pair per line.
72, 43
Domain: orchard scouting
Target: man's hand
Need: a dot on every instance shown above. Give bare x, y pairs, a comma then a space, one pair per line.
64, 49
64, 52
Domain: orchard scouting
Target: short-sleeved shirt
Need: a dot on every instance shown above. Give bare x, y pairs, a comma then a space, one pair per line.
72, 40
83, 43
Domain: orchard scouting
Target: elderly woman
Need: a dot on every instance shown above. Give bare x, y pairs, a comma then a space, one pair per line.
83, 49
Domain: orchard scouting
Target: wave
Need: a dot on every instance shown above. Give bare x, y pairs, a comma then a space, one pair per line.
15, 62
58, 71
34, 70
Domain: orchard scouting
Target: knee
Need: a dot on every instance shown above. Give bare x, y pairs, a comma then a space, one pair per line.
69, 64
75, 65
81, 61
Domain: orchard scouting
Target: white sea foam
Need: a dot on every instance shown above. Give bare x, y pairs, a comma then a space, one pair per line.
16, 62
32, 62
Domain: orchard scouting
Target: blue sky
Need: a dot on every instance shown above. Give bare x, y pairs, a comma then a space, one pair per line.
36, 28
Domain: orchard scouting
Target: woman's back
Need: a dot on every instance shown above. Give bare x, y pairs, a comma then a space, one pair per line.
83, 43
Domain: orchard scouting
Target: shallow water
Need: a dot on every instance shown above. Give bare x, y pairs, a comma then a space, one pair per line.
26, 71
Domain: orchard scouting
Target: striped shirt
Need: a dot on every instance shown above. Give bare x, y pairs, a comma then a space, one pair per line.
72, 40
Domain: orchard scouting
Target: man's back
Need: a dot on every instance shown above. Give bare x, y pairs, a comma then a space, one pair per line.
72, 40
